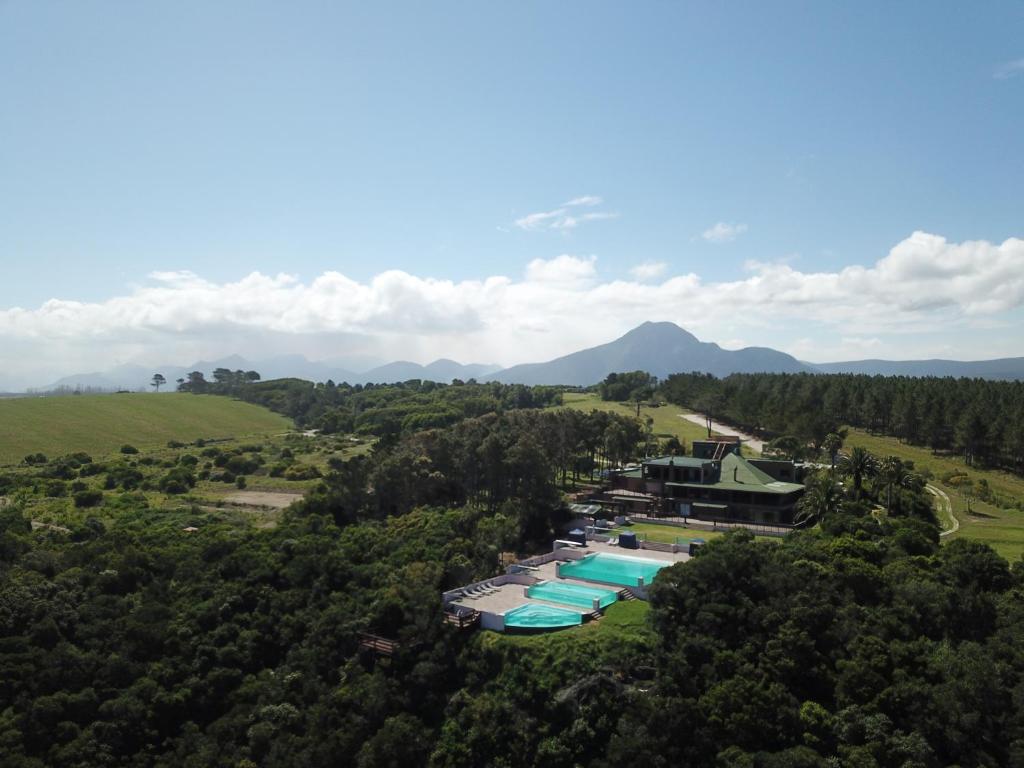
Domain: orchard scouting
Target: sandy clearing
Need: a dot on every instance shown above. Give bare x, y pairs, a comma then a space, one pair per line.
262, 499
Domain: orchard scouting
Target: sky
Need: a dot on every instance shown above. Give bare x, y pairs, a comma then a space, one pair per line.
506, 182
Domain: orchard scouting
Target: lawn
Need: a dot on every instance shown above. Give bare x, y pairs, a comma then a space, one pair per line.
100, 424
1003, 529
668, 419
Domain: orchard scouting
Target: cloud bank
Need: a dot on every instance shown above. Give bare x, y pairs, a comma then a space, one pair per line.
924, 284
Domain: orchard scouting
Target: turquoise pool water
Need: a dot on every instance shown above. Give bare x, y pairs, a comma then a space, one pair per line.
534, 615
573, 594
613, 569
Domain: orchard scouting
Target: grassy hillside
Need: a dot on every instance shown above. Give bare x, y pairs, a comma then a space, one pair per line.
999, 527
101, 424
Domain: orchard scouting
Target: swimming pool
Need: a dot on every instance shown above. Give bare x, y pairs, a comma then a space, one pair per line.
537, 616
613, 569
573, 594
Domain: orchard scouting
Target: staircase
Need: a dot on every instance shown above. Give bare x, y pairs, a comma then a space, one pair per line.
625, 595
719, 452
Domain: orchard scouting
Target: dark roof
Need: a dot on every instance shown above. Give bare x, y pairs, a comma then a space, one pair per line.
677, 461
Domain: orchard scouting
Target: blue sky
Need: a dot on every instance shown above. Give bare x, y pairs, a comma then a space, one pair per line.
305, 138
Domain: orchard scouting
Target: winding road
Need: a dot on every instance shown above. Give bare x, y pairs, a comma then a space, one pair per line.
945, 507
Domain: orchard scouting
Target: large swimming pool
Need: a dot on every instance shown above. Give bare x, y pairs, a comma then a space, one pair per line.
572, 594
537, 616
613, 569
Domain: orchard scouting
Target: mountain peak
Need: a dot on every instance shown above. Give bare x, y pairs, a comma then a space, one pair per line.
659, 348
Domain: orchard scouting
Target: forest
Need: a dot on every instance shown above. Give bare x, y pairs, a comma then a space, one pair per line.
857, 641
981, 420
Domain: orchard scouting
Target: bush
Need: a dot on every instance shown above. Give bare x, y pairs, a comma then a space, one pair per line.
177, 480
88, 498
301, 472
188, 460
55, 489
34, 459
175, 444
240, 481
129, 449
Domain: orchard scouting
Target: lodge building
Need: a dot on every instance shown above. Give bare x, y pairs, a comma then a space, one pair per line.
716, 483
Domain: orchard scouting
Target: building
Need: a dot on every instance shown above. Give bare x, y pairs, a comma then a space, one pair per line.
716, 483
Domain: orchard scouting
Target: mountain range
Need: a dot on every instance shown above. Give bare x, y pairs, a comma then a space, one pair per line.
658, 348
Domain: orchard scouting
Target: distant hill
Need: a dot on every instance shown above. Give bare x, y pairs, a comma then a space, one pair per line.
439, 370
660, 349
1005, 369
135, 377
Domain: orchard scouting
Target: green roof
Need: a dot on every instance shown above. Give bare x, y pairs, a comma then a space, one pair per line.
738, 474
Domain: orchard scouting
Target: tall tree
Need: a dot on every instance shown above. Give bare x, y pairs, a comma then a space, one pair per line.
157, 381
859, 465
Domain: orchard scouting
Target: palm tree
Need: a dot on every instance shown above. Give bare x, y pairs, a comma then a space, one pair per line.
860, 464
821, 498
832, 444
894, 472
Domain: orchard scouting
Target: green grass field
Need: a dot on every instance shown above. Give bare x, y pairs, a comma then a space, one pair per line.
1003, 529
101, 424
667, 418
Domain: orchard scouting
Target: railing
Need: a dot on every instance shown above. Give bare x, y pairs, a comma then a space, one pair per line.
378, 644
696, 525
463, 621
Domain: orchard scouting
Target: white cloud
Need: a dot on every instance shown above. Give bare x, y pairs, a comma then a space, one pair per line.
926, 290
562, 218
585, 200
571, 222
648, 270
1009, 69
723, 232
564, 269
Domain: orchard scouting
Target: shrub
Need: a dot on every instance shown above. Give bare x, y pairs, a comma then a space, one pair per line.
301, 472
56, 489
188, 460
175, 444
88, 498
240, 481
129, 449
34, 459
177, 480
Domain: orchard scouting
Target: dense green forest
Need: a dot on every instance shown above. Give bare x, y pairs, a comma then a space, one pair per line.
859, 641
375, 409
982, 420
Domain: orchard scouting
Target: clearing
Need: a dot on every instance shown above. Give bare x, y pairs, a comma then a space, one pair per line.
262, 499
100, 424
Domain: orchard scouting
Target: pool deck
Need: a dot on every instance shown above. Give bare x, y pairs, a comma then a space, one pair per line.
647, 554
509, 596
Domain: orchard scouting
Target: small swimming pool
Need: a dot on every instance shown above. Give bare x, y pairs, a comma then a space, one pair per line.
573, 594
537, 616
613, 569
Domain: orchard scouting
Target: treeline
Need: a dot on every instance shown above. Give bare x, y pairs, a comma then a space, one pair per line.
378, 409
981, 420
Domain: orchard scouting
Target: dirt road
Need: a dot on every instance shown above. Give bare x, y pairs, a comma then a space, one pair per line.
725, 429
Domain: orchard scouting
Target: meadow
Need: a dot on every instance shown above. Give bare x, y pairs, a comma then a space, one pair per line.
1001, 528
100, 424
